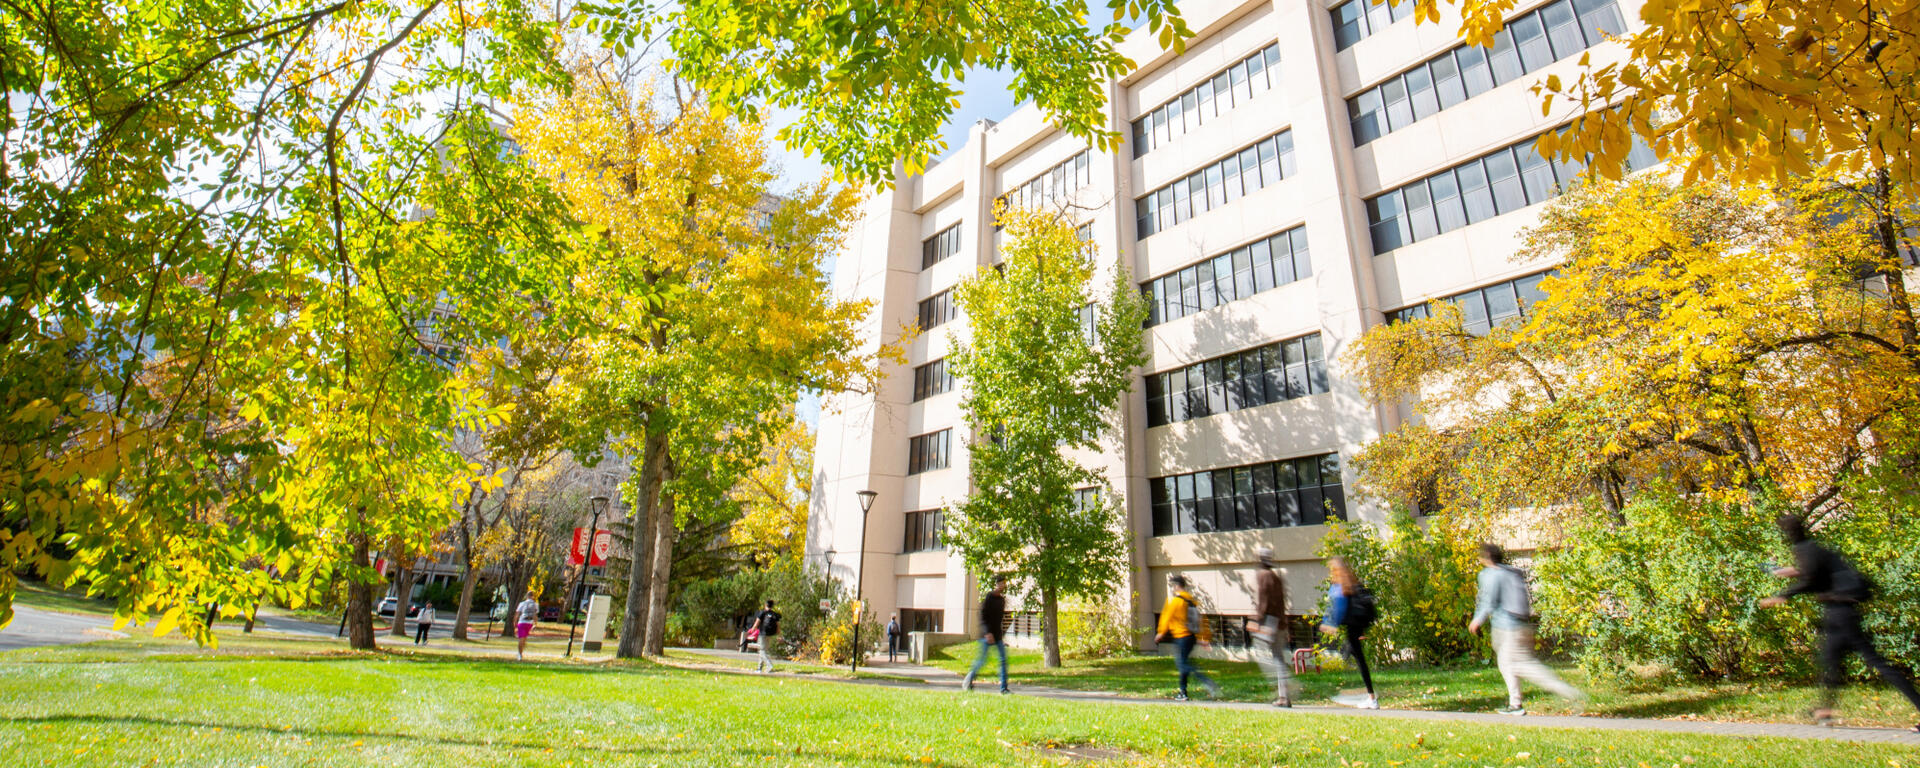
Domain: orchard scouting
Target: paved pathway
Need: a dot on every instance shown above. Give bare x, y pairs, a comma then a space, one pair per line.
34, 628
945, 679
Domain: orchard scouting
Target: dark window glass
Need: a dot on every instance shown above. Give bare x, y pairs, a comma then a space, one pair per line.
1419, 204
1367, 113
1216, 385
1599, 18
1446, 81
1505, 58
1203, 518
1223, 278
1184, 506
1530, 36
1447, 206
1473, 312
1177, 395
1316, 365
1388, 224
1504, 177
1399, 111
1143, 217
1536, 174
1156, 400
1243, 272
1474, 70
1476, 192
1420, 90
1563, 29
1204, 280
1349, 24
1273, 364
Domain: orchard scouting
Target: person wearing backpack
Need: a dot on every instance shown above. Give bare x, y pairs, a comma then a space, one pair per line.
766, 627
1181, 623
1351, 606
1505, 604
1841, 589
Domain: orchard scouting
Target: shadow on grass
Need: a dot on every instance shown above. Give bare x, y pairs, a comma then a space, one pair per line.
709, 750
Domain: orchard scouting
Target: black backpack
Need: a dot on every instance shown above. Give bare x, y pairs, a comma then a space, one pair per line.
1362, 610
769, 623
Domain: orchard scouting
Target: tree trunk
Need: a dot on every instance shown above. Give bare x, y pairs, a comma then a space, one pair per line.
1050, 625
467, 583
662, 573
653, 456
1888, 233
360, 600
403, 597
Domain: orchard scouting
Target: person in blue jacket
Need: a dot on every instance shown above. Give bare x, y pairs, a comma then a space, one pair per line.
1350, 607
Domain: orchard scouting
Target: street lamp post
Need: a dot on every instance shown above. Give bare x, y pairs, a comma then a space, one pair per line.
599, 506
859, 575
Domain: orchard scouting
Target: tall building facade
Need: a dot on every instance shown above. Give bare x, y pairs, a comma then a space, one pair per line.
1302, 172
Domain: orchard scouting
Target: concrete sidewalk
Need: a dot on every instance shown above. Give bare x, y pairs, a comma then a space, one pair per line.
941, 678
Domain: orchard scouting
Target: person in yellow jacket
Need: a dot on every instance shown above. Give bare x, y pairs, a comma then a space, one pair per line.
1181, 623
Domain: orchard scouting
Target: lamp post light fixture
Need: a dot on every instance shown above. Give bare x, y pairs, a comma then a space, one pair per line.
598, 505
859, 575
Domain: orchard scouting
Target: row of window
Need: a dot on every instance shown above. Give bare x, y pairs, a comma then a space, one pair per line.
920, 620
922, 531
1357, 20
1057, 182
937, 248
1483, 308
1533, 40
931, 379
1264, 163
1270, 374
1211, 98
929, 452
1236, 274
1279, 494
1504, 180
937, 309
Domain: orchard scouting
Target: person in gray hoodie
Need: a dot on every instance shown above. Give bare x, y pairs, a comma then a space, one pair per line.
1505, 604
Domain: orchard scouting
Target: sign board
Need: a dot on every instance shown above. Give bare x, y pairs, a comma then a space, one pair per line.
826, 605
602, 544
597, 608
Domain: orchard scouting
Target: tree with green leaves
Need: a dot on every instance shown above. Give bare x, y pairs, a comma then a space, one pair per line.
1038, 385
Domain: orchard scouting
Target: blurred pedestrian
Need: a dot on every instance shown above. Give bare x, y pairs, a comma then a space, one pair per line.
424, 624
993, 616
1505, 605
1841, 589
528, 612
1182, 624
1269, 626
766, 627
893, 637
1351, 607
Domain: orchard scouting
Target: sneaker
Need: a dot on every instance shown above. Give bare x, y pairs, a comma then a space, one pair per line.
1349, 699
1283, 702
1005, 692
1512, 710
1372, 702
966, 684
1179, 697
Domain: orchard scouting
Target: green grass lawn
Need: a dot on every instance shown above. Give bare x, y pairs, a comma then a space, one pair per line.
1476, 689
279, 702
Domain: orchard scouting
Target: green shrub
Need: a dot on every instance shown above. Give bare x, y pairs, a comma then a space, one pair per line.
1097, 629
1422, 576
708, 609
1878, 533
1676, 588
831, 639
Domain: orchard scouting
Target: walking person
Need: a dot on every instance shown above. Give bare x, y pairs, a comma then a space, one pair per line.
424, 621
1505, 605
1180, 623
1269, 625
993, 616
893, 637
528, 612
1841, 589
1350, 607
766, 627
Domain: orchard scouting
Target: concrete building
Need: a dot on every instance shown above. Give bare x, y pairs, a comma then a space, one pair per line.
1303, 172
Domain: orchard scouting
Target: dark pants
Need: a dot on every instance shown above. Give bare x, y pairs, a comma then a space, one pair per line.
893, 647
420, 635
1845, 634
1357, 649
1183, 661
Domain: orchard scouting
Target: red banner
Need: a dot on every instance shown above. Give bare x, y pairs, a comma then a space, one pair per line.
602, 544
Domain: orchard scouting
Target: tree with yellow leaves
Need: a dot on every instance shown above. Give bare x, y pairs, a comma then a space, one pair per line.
773, 496
698, 298
1737, 344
